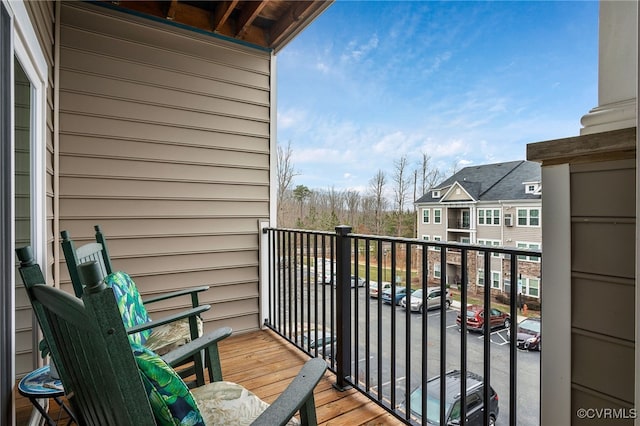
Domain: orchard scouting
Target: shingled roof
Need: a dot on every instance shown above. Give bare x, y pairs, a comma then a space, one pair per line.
491, 182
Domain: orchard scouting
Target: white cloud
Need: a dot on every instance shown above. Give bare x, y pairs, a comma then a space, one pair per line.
290, 118
355, 51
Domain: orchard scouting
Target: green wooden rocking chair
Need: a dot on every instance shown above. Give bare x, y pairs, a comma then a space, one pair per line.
110, 381
160, 335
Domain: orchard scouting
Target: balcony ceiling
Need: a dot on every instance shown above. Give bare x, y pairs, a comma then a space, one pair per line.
268, 24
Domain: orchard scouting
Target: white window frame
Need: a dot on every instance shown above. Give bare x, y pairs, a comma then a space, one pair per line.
435, 194
527, 217
425, 237
531, 187
436, 238
531, 246
490, 243
496, 278
437, 270
494, 216
25, 48
426, 218
437, 218
526, 287
480, 280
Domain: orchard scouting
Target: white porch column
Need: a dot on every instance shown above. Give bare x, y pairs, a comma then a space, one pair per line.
617, 68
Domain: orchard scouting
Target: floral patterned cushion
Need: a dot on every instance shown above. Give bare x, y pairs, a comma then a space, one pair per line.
167, 337
170, 399
130, 304
226, 403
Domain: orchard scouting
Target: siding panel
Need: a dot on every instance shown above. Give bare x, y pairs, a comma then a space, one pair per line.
165, 143
611, 377
603, 284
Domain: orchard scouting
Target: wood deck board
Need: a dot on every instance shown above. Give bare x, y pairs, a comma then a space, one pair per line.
265, 364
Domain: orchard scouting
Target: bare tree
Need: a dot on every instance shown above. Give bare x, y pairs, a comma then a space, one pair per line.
301, 193
353, 203
430, 176
455, 168
285, 174
376, 187
401, 187
415, 208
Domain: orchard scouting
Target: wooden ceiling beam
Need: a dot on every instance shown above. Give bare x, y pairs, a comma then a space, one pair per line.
222, 13
298, 11
248, 14
171, 13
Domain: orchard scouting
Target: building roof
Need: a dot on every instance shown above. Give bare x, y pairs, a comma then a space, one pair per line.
491, 182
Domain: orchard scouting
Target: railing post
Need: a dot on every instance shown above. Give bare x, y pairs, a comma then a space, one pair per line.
343, 307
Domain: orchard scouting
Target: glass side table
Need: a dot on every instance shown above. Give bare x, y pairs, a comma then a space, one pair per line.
39, 385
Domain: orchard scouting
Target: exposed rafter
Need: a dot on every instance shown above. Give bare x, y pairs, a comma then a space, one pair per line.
265, 23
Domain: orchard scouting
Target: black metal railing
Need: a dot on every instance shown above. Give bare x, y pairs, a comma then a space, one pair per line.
319, 288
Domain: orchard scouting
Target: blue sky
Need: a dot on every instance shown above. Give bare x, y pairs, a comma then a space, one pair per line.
466, 82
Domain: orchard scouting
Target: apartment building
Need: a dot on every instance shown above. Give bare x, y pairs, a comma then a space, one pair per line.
494, 205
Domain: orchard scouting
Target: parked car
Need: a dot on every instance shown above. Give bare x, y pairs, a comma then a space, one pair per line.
324, 342
361, 282
432, 299
475, 401
326, 276
374, 290
529, 336
475, 318
400, 293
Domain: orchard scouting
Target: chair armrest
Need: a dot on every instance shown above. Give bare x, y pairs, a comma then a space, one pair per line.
298, 396
187, 350
176, 293
169, 319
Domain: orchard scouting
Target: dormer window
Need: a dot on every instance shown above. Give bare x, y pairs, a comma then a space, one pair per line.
532, 187
435, 194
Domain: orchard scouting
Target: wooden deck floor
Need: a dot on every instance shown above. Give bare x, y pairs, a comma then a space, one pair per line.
265, 364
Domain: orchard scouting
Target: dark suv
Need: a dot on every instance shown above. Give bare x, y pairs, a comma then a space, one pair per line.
475, 400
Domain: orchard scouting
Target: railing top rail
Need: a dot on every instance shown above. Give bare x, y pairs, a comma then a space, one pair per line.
302, 231
443, 244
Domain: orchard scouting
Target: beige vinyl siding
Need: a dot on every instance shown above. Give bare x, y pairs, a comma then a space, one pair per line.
41, 14
603, 287
165, 143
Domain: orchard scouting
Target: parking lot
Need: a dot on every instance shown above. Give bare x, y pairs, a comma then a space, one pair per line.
395, 366
406, 380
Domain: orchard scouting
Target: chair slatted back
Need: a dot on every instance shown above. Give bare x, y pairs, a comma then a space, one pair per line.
74, 257
89, 344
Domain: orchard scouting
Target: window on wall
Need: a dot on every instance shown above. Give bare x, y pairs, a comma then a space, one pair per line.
528, 217
481, 277
437, 215
437, 273
507, 285
437, 238
531, 287
425, 215
22, 156
490, 243
488, 216
531, 246
495, 279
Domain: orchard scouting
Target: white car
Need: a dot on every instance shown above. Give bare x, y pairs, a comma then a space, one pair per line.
433, 300
374, 290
